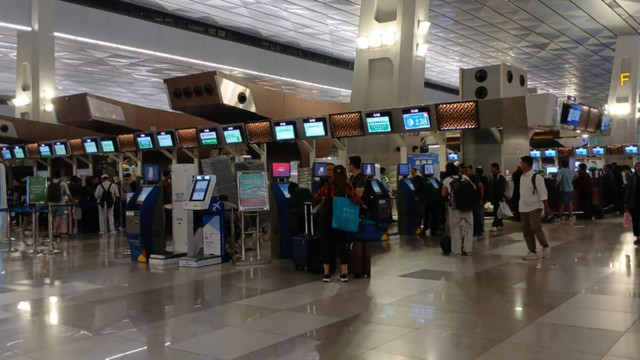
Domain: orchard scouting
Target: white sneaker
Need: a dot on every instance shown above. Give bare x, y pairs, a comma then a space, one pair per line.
546, 252
530, 256
493, 229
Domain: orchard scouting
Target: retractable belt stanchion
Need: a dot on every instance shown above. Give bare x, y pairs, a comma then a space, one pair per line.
258, 260
51, 250
34, 231
10, 248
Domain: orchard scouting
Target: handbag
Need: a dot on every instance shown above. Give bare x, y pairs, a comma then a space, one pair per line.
346, 214
504, 211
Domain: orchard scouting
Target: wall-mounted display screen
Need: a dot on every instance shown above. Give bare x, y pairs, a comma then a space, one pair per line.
315, 127
583, 121
166, 139
107, 145
535, 153
233, 134
319, 169
200, 188
631, 149
346, 125
6, 153
458, 115
208, 136
605, 123
369, 169
45, 150
452, 157
416, 118
60, 148
19, 152
403, 170
570, 114
144, 141
550, 152
90, 145
285, 130
581, 151
597, 150
281, 170
594, 119
378, 122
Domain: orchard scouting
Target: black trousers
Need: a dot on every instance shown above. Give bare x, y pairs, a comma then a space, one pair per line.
335, 241
635, 220
431, 218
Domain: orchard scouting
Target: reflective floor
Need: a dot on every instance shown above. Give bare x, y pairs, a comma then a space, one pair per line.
91, 302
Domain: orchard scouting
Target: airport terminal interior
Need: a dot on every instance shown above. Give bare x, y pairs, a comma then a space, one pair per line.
330, 179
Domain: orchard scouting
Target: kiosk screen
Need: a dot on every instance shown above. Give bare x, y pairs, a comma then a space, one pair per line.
428, 170
319, 169
434, 182
581, 151
376, 187
598, 151
107, 146
410, 183
535, 153
281, 170
199, 191
285, 189
552, 170
144, 141
315, 127
18, 152
144, 193
232, 134
60, 148
631, 149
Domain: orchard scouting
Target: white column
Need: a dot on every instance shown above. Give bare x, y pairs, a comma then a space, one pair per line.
623, 92
36, 65
388, 69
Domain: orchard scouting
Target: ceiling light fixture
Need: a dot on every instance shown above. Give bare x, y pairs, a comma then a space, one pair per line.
389, 38
191, 61
375, 41
421, 50
14, 26
48, 94
362, 43
48, 108
423, 27
21, 101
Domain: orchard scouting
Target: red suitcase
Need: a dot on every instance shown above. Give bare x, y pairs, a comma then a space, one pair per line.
360, 259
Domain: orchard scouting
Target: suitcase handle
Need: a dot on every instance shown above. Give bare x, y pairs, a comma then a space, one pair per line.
308, 219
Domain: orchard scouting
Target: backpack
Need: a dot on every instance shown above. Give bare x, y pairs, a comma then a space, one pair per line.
464, 196
54, 192
107, 197
533, 182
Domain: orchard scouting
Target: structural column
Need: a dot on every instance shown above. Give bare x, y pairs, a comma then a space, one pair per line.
35, 85
623, 92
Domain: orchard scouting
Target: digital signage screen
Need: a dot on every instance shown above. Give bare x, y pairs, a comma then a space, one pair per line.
378, 122
208, 136
108, 145
631, 149
315, 127
597, 150
90, 145
233, 134
166, 139
281, 170
6, 153
19, 152
550, 152
60, 148
570, 114
535, 153
416, 118
45, 150
144, 141
584, 118
285, 130
581, 151
605, 124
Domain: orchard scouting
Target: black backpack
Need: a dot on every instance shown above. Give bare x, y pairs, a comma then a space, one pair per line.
107, 197
464, 196
54, 192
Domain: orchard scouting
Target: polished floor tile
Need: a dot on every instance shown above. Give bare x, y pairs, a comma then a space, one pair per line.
99, 347
603, 302
628, 346
377, 355
288, 323
514, 351
595, 319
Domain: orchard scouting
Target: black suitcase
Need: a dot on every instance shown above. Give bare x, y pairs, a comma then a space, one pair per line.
307, 248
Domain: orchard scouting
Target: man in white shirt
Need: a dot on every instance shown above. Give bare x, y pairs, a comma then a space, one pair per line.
460, 222
533, 199
106, 203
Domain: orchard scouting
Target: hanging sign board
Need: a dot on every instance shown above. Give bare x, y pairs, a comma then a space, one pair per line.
36, 189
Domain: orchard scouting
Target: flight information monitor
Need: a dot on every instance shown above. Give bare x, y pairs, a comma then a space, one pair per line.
108, 145
281, 170
19, 152
631, 149
315, 127
6, 153
60, 148
403, 169
581, 151
285, 130
416, 118
166, 139
208, 136
90, 145
144, 193
550, 153
452, 157
535, 153
45, 150
144, 141
597, 150
369, 169
378, 122
233, 134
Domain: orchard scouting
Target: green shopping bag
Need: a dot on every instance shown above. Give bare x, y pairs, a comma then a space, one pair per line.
346, 214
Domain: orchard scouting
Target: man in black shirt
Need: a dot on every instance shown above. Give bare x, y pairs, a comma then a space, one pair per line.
357, 179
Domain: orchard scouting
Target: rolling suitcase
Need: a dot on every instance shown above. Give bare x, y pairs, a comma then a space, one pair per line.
360, 259
305, 245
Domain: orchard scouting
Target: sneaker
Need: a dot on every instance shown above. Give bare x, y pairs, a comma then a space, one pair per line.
500, 228
344, 277
493, 229
326, 278
466, 253
530, 256
546, 252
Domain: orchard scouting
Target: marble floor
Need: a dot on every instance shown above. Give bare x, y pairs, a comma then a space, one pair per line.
92, 302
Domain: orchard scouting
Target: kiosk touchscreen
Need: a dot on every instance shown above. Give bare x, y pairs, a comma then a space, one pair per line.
145, 224
201, 192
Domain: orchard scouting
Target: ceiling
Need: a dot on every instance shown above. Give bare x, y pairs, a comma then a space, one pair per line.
567, 46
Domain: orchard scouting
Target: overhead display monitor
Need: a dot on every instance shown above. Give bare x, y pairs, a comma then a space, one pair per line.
19, 152
144, 141
452, 157
416, 118
233, 134
570, 114
284, 187
90, 145
378, 122
597, 150
550, 152
552, 170
319, 169
165, 139
45, 150
605, 123
60, 148
582, 151
375, 185
208, 136
144, 193
315, 127
403, 170
369, 169
285, 130
199, 189
108, 145
6, 153
428, 170
631, 149
281, 170
594, 120
583, 121
535, 153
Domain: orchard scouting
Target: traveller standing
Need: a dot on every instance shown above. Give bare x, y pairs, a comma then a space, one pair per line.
583, 185
335, 240
564, 184
498, 184
106, 194
57, 192
460, 220
478, 216
533, 201
357, 179
385, 179
515, 177
632, 202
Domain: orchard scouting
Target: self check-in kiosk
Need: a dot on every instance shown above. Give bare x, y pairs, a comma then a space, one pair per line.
280, 190
410, 205
145, 218
207, 236
378, 201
